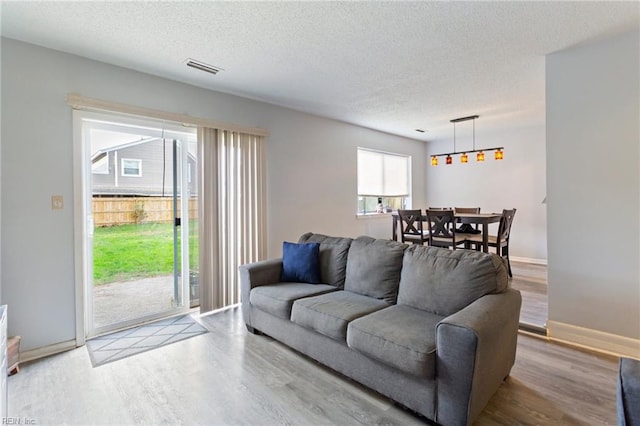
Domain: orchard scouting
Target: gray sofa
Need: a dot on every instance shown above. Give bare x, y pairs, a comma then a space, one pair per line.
628, 392
431, 328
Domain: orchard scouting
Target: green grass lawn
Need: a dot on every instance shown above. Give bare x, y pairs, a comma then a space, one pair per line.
127, 252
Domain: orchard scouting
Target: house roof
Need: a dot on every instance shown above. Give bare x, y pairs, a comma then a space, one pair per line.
391, 66
100, 153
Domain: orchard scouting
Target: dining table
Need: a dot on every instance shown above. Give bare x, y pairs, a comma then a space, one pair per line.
483, 219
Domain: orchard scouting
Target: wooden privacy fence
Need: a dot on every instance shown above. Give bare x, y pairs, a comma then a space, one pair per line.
121, 211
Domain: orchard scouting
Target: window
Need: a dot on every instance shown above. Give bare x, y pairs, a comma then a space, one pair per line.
131, 167
384, 181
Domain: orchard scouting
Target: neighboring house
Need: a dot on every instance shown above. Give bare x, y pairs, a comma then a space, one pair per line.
140, 168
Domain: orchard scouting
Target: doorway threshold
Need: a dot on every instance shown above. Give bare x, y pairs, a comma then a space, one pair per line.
531, 328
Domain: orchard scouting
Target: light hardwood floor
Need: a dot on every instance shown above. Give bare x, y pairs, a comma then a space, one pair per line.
531, 280
229, 377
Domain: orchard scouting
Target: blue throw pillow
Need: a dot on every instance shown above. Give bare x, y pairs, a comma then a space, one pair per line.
301, 262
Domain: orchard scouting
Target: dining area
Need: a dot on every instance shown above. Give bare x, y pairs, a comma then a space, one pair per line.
455, 228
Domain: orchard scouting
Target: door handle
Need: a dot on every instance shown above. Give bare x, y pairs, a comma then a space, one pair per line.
177, 221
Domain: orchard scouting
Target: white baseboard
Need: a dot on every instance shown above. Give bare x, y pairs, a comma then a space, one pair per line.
600, 341
528, 260
32, 354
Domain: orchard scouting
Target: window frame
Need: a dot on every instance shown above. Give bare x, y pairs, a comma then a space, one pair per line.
123, 168
404, 199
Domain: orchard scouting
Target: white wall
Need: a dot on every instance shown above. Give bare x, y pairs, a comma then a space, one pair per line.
1, 299
313, 179
311, 175
593, 138
518, 181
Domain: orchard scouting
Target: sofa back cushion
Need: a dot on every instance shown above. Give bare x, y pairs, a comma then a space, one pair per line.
443, 281
333, 257
373, 268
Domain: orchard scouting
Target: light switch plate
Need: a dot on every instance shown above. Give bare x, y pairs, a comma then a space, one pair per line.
57, 202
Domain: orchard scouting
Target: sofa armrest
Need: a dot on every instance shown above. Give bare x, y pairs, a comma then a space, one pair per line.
476, 348
253, 275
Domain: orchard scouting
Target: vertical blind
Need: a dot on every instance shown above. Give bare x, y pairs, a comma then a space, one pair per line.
231, 212
382, 174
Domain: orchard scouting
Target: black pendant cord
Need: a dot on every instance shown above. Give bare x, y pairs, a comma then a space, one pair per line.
455, 152
454, 137
474, 135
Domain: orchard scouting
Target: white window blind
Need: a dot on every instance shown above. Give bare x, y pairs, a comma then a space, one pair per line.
382, 174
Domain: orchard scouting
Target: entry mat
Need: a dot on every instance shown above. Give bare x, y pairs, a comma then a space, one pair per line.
122, 344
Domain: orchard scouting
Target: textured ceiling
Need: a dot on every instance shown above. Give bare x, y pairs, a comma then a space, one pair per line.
391, 66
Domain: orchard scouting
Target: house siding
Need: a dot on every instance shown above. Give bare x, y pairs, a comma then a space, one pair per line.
156, 178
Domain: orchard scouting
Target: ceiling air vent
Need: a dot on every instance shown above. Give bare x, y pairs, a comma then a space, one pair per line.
202, 66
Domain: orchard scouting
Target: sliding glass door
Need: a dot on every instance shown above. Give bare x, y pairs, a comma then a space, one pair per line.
140, 212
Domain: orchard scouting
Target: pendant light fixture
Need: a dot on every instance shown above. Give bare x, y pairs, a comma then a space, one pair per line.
464, 157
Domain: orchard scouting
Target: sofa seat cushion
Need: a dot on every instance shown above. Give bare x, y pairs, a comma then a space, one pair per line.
277, 299
330, 313
400, 336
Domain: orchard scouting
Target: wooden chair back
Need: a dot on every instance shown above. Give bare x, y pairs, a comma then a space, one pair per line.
466, 210
442, 231
466, 227
504, 228
411, 227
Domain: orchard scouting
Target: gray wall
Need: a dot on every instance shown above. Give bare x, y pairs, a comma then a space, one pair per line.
311, 175
593, 135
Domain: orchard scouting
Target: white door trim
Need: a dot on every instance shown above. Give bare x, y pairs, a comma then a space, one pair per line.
79, 215
83, 221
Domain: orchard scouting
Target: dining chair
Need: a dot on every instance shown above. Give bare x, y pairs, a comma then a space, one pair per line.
411, 227
442, 229
501, 240
457, 210
465, 227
